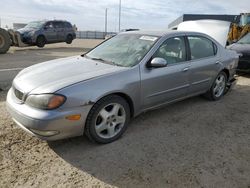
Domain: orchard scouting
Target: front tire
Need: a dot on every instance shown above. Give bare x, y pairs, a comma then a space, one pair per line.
218, 88
108, 119
40, 41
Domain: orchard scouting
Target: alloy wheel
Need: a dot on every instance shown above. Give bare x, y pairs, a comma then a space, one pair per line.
219, 86
110, 120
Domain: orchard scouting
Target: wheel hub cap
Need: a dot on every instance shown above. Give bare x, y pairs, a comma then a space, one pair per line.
110, 120
219, 86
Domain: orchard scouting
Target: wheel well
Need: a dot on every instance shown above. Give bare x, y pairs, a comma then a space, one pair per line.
69, 35
128, 100
227, 72
41, 36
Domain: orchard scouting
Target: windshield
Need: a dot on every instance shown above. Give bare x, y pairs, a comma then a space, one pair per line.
124, 50
34, 24
245, 39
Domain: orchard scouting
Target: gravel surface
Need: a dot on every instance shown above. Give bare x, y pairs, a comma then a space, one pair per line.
193, 143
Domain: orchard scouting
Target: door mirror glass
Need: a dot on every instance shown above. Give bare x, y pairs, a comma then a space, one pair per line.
158, 62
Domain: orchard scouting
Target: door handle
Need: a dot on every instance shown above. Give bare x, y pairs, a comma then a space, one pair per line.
185, 69
217, 62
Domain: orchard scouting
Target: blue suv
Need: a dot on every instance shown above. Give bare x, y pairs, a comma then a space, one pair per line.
45, 32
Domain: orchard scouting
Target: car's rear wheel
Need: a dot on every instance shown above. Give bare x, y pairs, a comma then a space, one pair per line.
40, 41
69, 39
108, 119
218, 88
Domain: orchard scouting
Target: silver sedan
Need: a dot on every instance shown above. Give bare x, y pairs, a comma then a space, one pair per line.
99, 92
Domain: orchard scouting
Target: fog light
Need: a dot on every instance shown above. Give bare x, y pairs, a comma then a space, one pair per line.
44, 133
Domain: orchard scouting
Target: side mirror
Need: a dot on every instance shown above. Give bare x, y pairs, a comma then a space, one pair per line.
158, 62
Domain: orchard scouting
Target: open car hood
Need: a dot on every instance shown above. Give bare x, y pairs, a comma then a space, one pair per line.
216, 29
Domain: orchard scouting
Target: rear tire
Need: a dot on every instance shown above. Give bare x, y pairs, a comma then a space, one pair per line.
69, 39
218, 88
107, 120
40, 41
5, 41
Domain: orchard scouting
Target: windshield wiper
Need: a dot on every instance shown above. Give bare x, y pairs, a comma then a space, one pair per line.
103, 60
100, 59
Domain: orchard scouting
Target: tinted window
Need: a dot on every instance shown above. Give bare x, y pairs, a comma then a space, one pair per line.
58, 24
67, 25
172, 50
201, 47
49, 25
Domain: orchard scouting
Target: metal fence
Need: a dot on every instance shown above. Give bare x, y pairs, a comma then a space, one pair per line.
92, 34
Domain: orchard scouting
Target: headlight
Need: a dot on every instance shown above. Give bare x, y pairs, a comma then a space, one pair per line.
45, 101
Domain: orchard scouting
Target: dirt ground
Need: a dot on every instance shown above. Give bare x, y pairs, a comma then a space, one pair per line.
193, 143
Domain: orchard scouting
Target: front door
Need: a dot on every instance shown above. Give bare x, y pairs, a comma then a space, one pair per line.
162, 85
50, 32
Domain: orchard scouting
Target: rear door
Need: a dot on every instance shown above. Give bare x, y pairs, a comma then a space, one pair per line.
205, 63
166, 84
60, 31
68, 29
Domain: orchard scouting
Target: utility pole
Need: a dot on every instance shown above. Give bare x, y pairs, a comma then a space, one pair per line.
120, 7
106, 21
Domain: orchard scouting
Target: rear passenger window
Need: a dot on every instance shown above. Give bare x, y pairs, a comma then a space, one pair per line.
58, 24
172, 50
67, 25
201, 47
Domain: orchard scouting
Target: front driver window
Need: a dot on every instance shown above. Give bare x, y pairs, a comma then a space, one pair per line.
172, 50
49, 25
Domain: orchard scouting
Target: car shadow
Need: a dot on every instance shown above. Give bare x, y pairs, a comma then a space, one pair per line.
173, 145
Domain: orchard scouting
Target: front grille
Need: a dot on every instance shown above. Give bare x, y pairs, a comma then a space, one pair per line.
18, 94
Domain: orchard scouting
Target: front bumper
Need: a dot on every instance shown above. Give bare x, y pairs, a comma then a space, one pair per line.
47, 124
28, 39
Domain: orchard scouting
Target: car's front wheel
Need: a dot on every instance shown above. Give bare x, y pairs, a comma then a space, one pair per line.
40, 41
218, 88
108, 119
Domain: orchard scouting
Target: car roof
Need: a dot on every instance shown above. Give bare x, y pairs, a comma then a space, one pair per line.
161, 33
57, 21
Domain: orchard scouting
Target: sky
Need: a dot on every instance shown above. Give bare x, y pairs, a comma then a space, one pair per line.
90, 14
